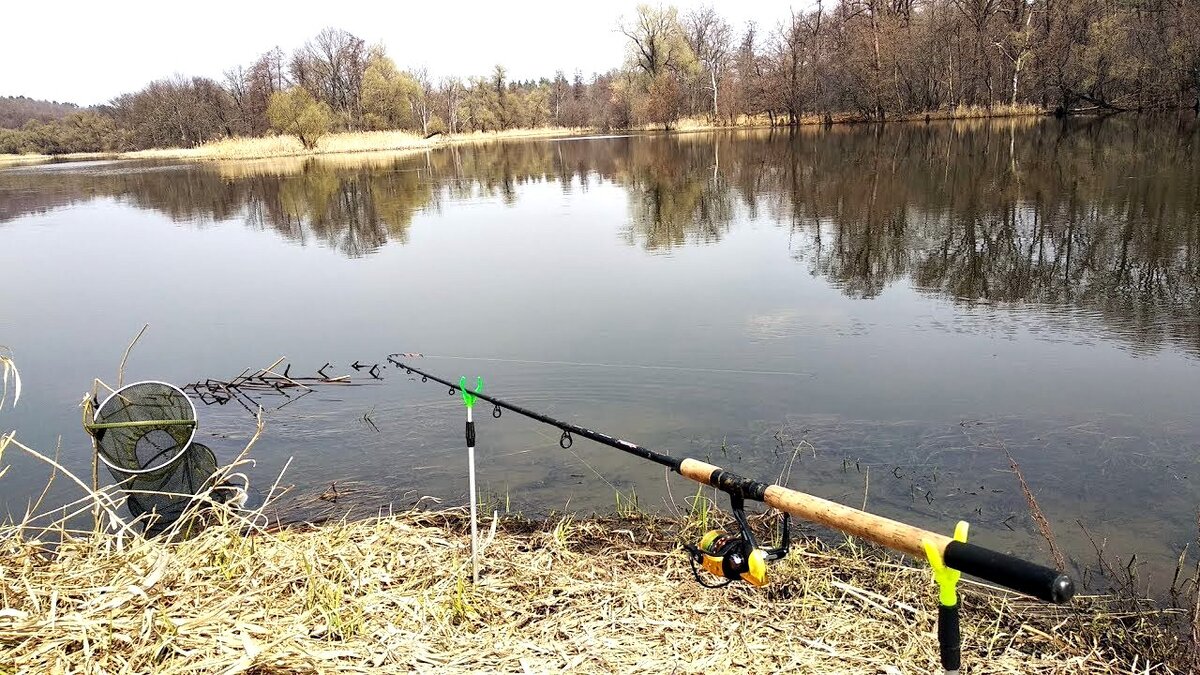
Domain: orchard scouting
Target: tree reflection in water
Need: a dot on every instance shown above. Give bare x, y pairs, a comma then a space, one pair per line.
1101, 215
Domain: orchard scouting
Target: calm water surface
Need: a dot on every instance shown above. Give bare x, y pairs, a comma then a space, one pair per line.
903, 303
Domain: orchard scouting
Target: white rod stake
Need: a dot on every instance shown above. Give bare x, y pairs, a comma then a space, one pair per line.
474, 516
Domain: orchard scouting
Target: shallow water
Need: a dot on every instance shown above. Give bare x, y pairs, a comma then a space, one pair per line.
893, 306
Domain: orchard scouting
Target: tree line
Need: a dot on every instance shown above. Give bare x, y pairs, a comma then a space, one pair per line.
17, 110
863, 59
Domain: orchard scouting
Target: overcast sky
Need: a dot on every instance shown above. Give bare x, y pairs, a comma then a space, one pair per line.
89, 52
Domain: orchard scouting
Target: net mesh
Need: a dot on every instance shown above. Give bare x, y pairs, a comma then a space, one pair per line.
144, 435
144, 427
167, 495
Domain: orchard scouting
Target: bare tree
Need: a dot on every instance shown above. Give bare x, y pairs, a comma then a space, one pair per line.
709, 37
978, 14
558, 94
1017, 45
176, 112
790, 45
331, 68
501, 107
419, 101
656, 40
452, 93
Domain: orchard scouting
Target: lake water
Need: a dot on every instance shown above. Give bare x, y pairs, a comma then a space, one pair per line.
900, 303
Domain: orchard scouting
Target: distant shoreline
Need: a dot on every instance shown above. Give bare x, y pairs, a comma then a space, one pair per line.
345, 143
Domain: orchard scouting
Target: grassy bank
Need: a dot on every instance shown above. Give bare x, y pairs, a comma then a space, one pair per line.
600, 595
955, 113
272, 147
12, 160
391, 141
32, 158
343, 143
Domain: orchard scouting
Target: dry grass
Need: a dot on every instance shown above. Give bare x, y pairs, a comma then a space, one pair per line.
704, 123
751, 122
33, 158
351, 142
543, 132
12, 160
600, 595
956, 113
228, 148
275, 147
234, 169
8, 371
999, 110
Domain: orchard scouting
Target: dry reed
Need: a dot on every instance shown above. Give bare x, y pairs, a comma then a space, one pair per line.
224, 592
393, 594
13, 160
8, 371
277, 146
289, 166
268, 147
959, 112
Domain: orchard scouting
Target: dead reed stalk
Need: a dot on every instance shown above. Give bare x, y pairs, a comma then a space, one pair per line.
393, 594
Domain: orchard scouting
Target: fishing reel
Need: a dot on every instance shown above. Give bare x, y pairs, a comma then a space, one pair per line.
736, 556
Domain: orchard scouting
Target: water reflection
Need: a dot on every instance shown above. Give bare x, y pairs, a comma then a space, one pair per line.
355, 211
1102, 215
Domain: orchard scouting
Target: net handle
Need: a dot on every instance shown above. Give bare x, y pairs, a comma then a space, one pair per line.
165, 464
142, 423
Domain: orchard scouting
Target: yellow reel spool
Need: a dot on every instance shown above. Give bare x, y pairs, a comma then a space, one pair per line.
723, 557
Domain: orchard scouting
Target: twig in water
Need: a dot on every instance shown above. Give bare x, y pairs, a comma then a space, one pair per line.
1195, 622
367, 417
9, 368
866, 487
34, 507
330, 495
1105, 566
121, 368
1036, 512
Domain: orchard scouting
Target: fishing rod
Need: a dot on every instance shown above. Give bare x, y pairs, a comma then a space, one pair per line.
739, 557
1005, 570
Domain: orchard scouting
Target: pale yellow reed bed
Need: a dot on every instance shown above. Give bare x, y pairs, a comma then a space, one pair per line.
13, 160
268, 147
394, 594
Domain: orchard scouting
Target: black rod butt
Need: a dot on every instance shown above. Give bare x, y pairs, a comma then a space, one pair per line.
1010, 572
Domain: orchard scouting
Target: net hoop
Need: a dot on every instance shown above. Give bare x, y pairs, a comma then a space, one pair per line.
183, 447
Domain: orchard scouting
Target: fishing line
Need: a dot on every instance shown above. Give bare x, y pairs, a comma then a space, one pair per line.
1001, 568
631, 366
733, 554
552, 441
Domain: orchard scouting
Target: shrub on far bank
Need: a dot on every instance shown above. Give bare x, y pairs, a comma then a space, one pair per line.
77, 132
295, 112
